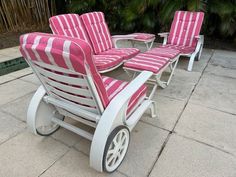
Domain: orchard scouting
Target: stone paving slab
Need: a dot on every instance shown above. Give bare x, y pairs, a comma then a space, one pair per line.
18, 107
168, 111
5, 78
75, 164
146, 142
211, 126
221, 71
198, 66
32, 79
12, 52
20, 73
9, 127
216, 92
177, 89
16, 89
225, 59
29, 155
186, 158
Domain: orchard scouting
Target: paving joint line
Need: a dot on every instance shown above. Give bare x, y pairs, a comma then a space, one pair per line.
180, 114
18, 133
15, 79
155, 125
205, 143
54, 162
215, 109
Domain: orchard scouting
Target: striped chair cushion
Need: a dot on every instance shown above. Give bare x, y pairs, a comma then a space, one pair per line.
98, 31
147, 62
65, 52
104, 62
185, 26
113, 87
69, 25
143, 36
126, 53
164, 52
182, 49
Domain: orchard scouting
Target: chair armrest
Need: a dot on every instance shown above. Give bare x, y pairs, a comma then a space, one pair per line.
113, 116
116, 38
163, 34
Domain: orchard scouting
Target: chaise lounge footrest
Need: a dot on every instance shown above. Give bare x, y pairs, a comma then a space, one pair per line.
155, 60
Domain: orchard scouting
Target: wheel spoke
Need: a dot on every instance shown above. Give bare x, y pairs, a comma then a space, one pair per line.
112, 157
110, 151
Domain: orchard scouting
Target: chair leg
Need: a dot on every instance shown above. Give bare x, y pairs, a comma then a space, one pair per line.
172, 70
199, 54
190, 64
153, 109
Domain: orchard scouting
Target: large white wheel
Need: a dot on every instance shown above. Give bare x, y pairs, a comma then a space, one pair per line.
40, 114
116, 148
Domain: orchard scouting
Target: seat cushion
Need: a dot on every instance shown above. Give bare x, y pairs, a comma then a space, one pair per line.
113, 87
126, 53
147, 62
98, 31
182, 49
105, 62
164, 52
144, 36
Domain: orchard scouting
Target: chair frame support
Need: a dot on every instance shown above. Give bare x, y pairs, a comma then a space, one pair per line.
148, 43
197, 52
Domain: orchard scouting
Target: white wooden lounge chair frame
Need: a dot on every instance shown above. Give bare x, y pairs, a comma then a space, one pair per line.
47, 110
194, 55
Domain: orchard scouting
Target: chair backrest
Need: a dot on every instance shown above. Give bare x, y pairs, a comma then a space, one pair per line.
98, 31
65, 68
185, 26
69, 25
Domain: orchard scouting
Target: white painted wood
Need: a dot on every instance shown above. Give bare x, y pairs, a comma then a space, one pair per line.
68, 88
62, 78
86, 101
74, 129
90, 114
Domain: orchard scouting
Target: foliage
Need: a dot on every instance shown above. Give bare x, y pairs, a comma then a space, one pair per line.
156, 15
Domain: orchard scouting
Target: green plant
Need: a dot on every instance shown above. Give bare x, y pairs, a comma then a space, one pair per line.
156, 15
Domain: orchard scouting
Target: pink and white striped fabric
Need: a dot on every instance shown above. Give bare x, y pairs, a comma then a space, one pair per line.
182, 49
148, 62
69, 25
185, 26
164, 52
72, 54
98, 31
113, 87
126, 53
105, 62
69, 53
143, 36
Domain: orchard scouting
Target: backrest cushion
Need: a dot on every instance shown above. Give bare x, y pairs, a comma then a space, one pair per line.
185, 26
65, 52
98, 31
69, 25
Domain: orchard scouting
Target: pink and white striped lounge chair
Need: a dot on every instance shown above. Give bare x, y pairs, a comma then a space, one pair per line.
72, 87
184, 35
106, 57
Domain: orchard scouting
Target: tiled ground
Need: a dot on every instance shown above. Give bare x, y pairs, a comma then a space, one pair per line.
194, 135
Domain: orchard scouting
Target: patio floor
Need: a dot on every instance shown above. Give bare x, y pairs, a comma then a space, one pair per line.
194, 136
